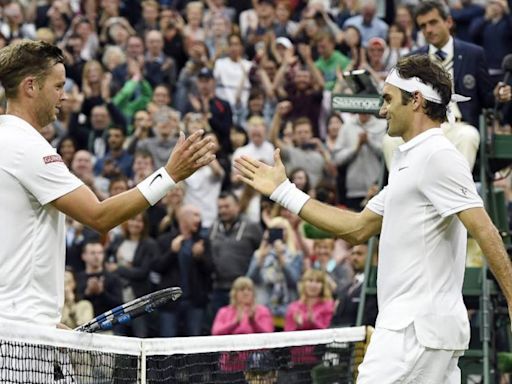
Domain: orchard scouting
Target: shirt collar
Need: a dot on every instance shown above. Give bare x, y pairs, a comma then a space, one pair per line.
416, 140
447, 48
15, 120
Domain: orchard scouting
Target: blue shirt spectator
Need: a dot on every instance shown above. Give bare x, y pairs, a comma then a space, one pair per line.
368, 23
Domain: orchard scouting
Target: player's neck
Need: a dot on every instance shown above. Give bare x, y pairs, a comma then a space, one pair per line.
420, 123
23, 112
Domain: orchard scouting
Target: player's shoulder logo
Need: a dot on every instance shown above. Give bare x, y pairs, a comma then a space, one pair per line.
52, 159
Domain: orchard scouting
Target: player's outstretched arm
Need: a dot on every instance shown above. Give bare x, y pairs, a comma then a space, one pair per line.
82, 205
479, 225
272, 181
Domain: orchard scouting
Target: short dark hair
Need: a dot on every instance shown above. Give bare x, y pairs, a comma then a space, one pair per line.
227, 194
431, 73
92, 241
426, 6
27, 58
117, 128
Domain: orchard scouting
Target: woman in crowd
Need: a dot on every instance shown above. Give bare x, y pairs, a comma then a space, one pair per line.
315, 306
241, 316
313, 310
66, 148
130, 256
334, 125
397, 45
404, 17
95, 86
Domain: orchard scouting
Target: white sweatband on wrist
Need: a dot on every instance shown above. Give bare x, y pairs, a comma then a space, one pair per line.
156, 186
289, 196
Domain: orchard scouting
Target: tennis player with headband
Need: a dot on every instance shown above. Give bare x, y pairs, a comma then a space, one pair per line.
37, 189
423, 216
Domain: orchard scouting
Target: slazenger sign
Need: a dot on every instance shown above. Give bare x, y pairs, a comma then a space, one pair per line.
356, 103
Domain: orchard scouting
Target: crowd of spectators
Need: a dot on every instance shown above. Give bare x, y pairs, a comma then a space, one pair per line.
256, 75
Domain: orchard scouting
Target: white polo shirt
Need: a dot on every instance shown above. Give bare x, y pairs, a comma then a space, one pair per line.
32, 231
422, 247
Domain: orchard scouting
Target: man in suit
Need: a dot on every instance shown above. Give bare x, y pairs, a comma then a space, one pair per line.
466, 62
467, 65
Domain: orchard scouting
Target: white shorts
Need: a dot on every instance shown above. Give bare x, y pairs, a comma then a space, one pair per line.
397, 357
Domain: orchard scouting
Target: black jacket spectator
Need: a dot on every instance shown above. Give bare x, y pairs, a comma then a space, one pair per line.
137, 274
199, 273
109, 298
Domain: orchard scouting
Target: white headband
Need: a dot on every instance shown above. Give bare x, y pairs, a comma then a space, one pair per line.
415, 84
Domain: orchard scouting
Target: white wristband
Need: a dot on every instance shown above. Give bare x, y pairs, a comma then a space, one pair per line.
289, 196
155, 186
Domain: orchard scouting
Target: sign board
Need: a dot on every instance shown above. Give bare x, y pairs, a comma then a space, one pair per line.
356, 103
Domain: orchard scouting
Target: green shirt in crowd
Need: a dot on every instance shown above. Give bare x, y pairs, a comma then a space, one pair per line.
328, 67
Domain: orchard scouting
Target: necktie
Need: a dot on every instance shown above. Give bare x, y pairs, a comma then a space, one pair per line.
448, 65
441, 55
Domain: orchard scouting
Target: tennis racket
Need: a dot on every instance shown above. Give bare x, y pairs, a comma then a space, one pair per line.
124, 313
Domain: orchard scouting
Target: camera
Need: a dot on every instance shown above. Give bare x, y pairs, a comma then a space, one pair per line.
306, 146
275, 234
360, 82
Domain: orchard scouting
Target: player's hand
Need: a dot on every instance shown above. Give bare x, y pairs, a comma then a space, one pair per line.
262, 177
189, 155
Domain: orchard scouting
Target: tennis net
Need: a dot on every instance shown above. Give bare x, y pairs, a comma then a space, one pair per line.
30, 354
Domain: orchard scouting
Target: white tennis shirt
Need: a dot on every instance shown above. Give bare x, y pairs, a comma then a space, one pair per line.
422, 248
32, 231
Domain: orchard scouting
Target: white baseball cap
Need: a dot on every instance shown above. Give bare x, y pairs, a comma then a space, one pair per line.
284, 41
